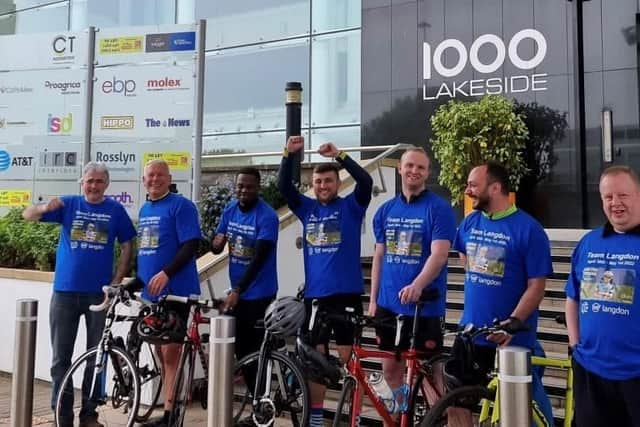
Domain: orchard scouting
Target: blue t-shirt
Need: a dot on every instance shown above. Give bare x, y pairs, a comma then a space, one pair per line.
84, 260
243, 230
605, 272
502, 255
406, 230
331, 245
163, 226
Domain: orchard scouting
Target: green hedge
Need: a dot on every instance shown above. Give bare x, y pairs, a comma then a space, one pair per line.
27, 244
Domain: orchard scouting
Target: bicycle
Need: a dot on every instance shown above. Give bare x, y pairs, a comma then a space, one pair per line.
269, 383
484, 401
113, 384
419, 377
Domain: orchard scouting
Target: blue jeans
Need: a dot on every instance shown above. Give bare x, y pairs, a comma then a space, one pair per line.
64, 316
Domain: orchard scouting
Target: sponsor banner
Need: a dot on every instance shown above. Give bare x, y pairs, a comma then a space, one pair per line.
17, 162
45, 50
144, 43
177, 161
143, 102
58, 161
123, 160
15, 198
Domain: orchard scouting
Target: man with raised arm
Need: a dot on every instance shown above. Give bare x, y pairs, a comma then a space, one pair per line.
413, 231
250, 226
604, 324
84, 263
169, 231
331, 244
507, 258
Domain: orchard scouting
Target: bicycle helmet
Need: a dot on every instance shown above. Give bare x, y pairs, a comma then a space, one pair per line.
162, 328
284, 316
318, 367
462, 369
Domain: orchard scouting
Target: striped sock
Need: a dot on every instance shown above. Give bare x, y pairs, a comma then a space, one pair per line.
316, 418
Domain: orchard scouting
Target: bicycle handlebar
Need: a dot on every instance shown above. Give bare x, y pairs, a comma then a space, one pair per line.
110, 291
194, 300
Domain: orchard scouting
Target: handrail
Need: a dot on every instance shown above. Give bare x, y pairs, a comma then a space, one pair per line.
279, 153
206, 266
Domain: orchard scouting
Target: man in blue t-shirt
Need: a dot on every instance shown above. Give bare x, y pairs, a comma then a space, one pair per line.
507, 258
84, 263
413, 231
331, 244
603, 314
169, 234
250, 226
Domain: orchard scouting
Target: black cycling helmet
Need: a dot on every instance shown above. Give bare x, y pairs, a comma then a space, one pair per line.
318, 367
284, 316
162, 328
462, 369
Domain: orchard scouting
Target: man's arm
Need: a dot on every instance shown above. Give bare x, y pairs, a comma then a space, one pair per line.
531, 299
285, 183
364, 182
432, 267
218, 243
35, 212
375, 278
573, 325
126, 251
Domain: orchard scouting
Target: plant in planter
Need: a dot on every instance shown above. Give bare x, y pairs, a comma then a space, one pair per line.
467, 134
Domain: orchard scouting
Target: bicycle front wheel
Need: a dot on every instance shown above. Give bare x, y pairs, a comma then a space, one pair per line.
282, 390
344, 411
148, 367
464, 403
110, 390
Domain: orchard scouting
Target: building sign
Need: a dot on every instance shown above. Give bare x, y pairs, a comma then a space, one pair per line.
168, 42
113, 45
180, 161
451, 87
15, 198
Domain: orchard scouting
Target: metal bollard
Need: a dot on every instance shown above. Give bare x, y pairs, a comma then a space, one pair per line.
24, 355
221, 356
514, 376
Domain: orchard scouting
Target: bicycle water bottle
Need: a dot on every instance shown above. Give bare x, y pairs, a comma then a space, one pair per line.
382, 389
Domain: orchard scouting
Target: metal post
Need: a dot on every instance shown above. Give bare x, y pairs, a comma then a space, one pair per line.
88, 100
220, 387
24, 355
514, 376
199, 111
293, 104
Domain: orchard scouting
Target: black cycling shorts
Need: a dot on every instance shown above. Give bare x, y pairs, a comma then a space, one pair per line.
342, 332
428, 338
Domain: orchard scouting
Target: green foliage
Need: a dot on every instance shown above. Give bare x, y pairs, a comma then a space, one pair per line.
27, 244
467, 134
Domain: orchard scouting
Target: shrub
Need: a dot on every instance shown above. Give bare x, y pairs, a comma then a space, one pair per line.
27, 244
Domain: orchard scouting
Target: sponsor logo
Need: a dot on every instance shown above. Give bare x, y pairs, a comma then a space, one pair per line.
116, 122
167, 42
65, 88
5, 160
595, 307
120, 157
123, 198
4, 123
15, 198
168, 123
433, 62
121, 45
15, 89
178, 160
120, 87
62, 46
165, 84
61, 125
584, 307
58, 158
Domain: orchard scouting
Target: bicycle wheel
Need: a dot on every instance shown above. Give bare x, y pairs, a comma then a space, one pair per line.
148, 366
182, 387
467, 397
111, 387
344, 411
288, 393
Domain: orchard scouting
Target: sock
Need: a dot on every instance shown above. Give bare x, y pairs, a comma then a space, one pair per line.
316, 417
401, 394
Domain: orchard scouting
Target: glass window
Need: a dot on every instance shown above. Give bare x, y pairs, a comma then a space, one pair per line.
244, 143
330, 15
54, 17
116, 13
342, 137
8, 6
244, 87
335, 67
232, 23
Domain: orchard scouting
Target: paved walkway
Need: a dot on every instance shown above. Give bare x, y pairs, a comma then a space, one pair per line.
42, 415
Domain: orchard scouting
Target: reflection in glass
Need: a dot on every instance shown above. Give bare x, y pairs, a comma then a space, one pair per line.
331, 15
54, 17
115, 13
342, 137
232, 23
8, 6
245, 86
335, 67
